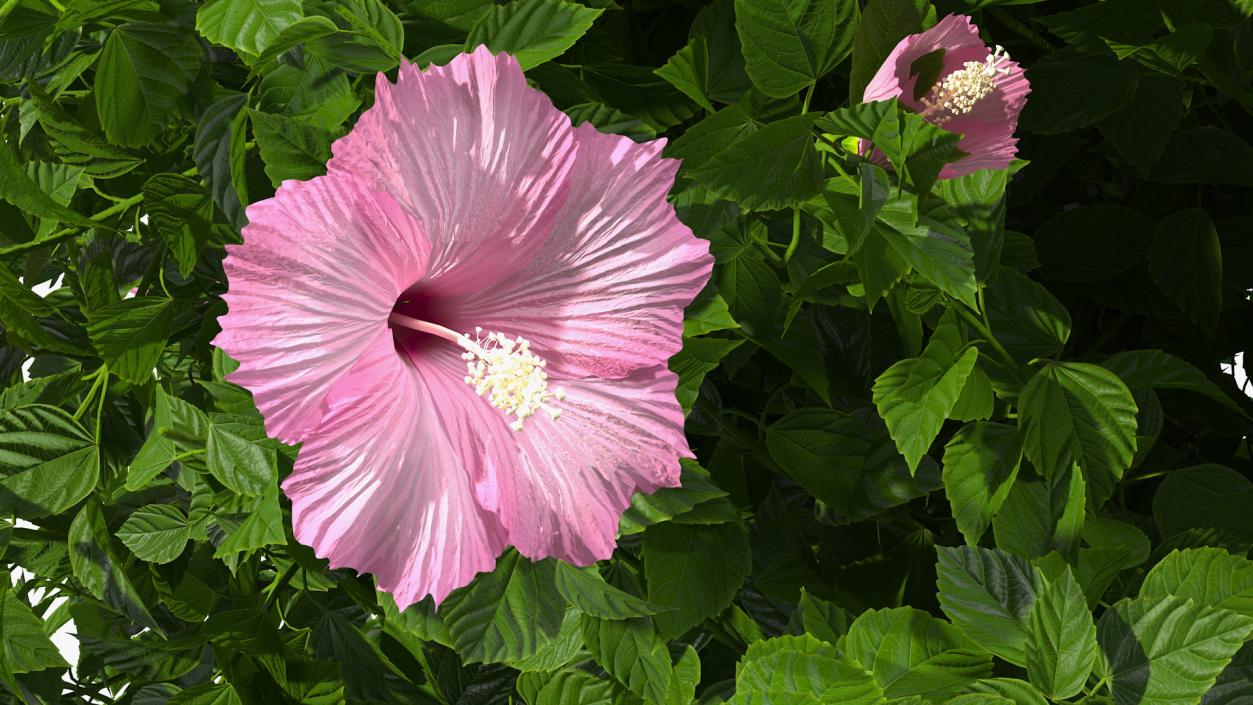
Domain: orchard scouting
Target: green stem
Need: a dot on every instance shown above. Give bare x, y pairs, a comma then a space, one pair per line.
985, 331
796, 212
104, 393
100, 372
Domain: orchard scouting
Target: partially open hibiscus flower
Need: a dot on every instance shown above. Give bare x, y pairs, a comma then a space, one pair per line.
466, 323
978, 92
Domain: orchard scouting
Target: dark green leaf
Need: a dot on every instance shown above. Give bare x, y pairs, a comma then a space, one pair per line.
534, 31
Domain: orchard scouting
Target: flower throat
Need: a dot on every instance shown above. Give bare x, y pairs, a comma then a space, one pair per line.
503, 371
958, 93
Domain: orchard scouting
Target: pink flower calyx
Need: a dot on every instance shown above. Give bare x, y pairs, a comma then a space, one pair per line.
503, 371
958, 93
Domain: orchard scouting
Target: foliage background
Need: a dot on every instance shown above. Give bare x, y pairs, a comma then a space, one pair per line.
961, 442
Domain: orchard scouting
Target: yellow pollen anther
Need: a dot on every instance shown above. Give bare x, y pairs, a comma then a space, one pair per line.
958, 93
509, 376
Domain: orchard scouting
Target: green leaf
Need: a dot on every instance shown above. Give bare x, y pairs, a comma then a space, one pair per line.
98, 569
50, 463
685, 679
1167, 650
1212, 577
143, 70
507, 614
246, 26
156, 533
916, 395
980, 465
1154, 369
802, 670
940, 253
989, 594
1062, 642
696, 491
566, 687
707, 313
694, 570
180, 210
263, 527
1186, 261
1042, 515
534, 31
1025, 318
215, 694
1141, 129
24, 645
243, 466
790, 44
1204, 496
590, 594
130, 335
1206, 155
771, 168
291, 149
1070, 91
909, 652
219, 155
710, 69
1077, 413
1235, 684
1112, 547
698, 358
707, 138
17, 188
847, 461
1018, 691
157, 452
883, 24
631, 652
1093, 243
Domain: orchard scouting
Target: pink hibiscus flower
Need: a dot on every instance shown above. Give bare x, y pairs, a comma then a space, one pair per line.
978, 93
466, 323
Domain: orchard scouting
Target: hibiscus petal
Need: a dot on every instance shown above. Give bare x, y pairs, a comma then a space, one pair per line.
577, 473
988, 130
478, 156
954, 34
605, 295
384, 485
320, 268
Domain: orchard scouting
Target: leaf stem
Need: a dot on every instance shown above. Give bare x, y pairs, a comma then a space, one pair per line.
796, 212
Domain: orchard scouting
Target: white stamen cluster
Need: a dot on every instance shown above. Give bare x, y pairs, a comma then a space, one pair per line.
509, 376
962, 89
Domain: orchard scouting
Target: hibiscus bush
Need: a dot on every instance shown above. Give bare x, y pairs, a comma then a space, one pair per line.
963, 390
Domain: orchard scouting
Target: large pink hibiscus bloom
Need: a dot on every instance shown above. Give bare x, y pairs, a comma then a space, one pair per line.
978, 93
466, 323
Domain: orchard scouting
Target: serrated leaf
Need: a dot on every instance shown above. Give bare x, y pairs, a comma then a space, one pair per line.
1079, 414
694, 570
534, 31
1204, 496
1167, 651
1061, 643
632, 653
156, 533
989, 594
18, 189
1212, 577
24, 645
710, 69
916, 395
980, 465
181, 211
291, 149
883, 24
219, 154
130, 335
247, 26
98, 569
50, 463
1154, 369
1025, 317
790, 44
507, 614
773, 167
802, 670
909, 652
243, 466
589, 593
143, 70
1070, 91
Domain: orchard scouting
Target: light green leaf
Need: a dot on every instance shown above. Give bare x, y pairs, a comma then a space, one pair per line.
98, 569
157, 452
1062, 639
1212, 577
534, 31
801, 670
17, 188
1042, 515
567, 687
989, 594
24, 645
695, 491
1018, 691
773, 167
685, 679
909, 652
180, 210
1167, 651
291, 149
699, 357
156, 533
710, 69
980, 465
247, 26
916, 395
50, 463
143, 70
214, 694
694, 570
706, 314
1078, 413
790, 44
219, 154
1186, 261
243, 466
507, 614
589, 593
940, 253
1025, 317
263, 527
131, 334
631, 652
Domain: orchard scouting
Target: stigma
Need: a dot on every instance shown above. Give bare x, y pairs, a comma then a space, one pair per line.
509, 376
962, 89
